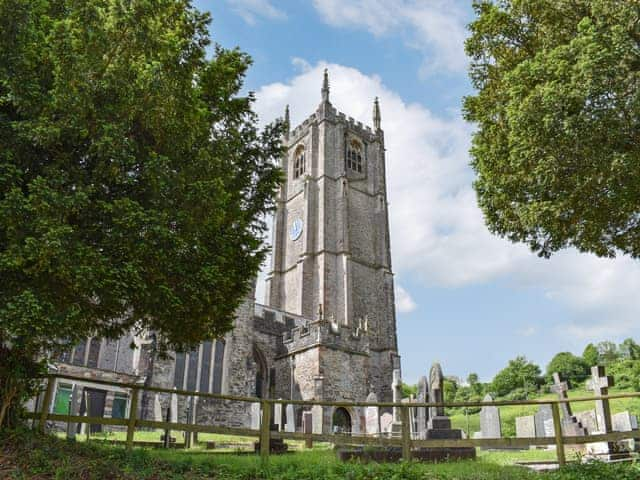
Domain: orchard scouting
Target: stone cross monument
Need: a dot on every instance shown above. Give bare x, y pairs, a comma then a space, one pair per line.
599, 385
570, 424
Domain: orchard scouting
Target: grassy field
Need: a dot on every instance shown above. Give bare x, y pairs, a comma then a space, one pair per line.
508, 414
26, 456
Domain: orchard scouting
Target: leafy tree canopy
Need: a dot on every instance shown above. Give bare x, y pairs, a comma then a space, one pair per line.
569, 366
133, 178
519, 373
557, 149
591, 355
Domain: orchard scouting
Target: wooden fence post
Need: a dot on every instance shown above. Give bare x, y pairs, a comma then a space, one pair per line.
46, 404
133, 416
265, 426
557, 427
406, 433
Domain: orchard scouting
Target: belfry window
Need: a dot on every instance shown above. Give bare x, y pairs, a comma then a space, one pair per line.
299, 162
354, 156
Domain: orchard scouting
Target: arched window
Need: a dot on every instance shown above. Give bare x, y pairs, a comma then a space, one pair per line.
299, 164
354, 156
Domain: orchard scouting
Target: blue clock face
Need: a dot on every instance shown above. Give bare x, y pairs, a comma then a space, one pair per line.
296, 229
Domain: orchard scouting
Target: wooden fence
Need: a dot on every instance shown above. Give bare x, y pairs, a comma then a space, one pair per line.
404, 440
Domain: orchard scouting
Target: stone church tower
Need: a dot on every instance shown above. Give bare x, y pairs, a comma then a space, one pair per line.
328, 330
331, 258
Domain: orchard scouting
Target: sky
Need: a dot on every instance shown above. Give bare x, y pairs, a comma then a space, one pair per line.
464, 297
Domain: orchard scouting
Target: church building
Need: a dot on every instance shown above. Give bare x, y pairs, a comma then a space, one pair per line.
327, 330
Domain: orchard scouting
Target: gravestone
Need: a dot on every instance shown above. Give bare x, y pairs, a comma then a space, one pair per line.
588, 420
317, 415
626, 422
421, 413
277, 416
372, 417
290, 425
571, 427
174, 408
157, 408
386, 420
543, 414
307, 427
526, 427
490, 420
599, 385
436, 392
439, 425
255, 416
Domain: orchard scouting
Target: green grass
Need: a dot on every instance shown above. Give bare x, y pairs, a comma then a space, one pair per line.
508, 414
24, 455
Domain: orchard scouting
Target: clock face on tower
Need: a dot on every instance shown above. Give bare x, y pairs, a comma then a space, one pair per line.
296, 229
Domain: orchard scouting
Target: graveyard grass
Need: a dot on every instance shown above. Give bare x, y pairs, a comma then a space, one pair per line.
24, 455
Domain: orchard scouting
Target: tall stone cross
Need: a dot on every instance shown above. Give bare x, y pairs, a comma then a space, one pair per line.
561, 388
599, 385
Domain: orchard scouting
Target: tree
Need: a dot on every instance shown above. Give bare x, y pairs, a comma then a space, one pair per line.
629, 349
608, 352
133, 179
591, 355
474, 383
557, 148
569, 366
519, 373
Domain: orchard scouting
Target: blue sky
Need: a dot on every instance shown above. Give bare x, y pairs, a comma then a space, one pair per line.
464, 297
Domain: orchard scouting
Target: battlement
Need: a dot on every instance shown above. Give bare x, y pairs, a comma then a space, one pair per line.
334, 115
327, 333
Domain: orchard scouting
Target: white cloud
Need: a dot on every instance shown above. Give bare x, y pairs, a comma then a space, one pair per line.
404, 302
437, 231
434, 27
251, 10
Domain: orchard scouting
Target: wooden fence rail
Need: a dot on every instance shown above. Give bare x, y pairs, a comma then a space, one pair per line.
265, 434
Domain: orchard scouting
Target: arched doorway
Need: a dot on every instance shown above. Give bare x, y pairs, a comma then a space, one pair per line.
262, 379
341, 422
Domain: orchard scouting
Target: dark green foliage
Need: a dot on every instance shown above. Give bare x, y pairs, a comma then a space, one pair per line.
133, 179
591, 355
626, 374
518, 374
557, 149
629, 349
570, 367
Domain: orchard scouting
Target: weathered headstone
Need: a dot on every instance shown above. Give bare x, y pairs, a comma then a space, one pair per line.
372, 417
386, 419
307, 427
277, 417
436, 391
543, 414
623, 422
157, 408
290, 425
255, 416
599, 385
526, 427
397, 394
490, 420
588, 420
317, 416
421, 414
174, 408
571, 427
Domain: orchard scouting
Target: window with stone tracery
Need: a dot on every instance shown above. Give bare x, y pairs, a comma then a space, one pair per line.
299, 165
354, 156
